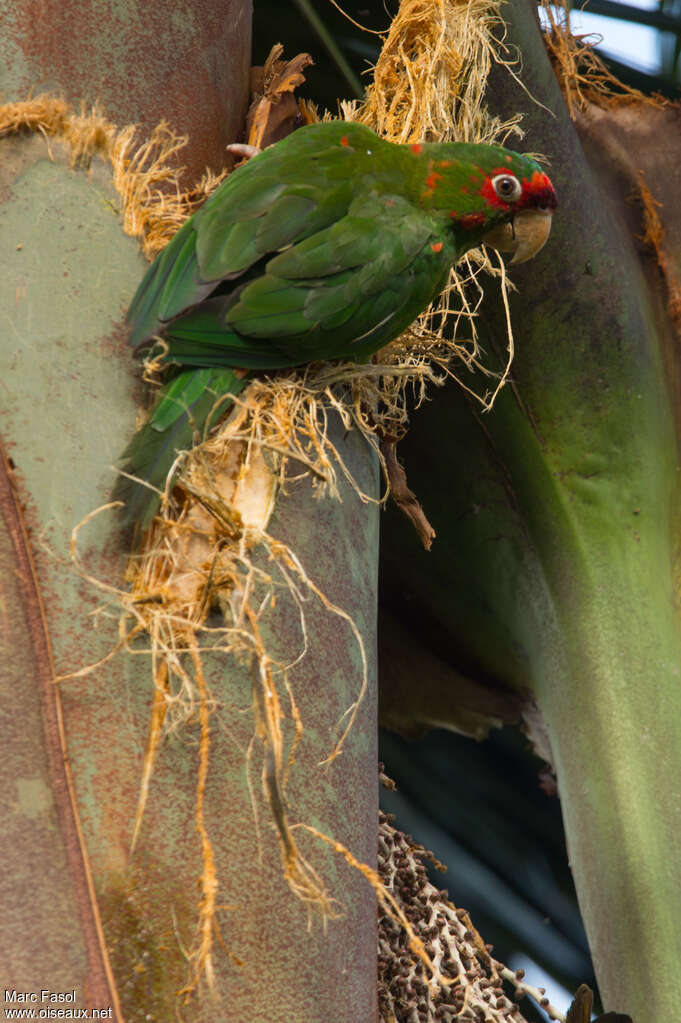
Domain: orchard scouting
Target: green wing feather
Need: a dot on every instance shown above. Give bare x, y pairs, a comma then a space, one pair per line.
261, 207
184, 408
318, 298
152, 304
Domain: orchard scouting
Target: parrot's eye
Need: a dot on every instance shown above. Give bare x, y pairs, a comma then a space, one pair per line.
507, 187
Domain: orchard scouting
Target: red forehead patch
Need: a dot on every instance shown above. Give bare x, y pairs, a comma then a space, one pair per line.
538, 191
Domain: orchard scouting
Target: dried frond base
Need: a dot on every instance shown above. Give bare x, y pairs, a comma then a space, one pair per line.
583, 77
275, 111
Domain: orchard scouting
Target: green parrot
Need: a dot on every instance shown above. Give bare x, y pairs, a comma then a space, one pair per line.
324, 246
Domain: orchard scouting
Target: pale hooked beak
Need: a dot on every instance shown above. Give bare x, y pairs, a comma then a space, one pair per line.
524, 236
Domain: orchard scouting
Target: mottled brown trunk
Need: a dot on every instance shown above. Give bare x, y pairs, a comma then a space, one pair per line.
144, 62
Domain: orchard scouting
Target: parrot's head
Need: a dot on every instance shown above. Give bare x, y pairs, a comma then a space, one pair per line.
520, 194
496, 196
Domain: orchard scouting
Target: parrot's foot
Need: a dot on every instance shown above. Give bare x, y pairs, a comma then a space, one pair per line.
404, 498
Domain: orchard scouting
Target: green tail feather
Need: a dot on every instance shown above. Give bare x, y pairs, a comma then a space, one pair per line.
186, 406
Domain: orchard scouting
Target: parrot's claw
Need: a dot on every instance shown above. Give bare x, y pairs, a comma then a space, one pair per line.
243, 150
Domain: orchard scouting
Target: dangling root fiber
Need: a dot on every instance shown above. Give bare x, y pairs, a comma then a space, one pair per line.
202, 956
301, 877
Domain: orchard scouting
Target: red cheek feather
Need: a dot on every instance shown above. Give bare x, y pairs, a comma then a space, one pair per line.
491, 197
488, 193
471, 220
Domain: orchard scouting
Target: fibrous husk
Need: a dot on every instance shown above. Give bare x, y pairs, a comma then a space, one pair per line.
145, 173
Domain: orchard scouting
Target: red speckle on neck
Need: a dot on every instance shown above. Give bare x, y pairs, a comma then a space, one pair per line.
432, 180
471, 220
436, 246
344, 141
416, 148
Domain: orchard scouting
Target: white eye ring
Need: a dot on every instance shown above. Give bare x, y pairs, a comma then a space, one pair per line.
507, 187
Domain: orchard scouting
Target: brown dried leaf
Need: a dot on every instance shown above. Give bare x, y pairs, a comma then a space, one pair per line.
274, 112
290, 76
